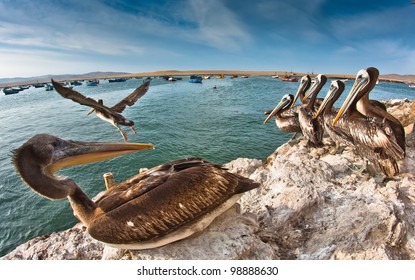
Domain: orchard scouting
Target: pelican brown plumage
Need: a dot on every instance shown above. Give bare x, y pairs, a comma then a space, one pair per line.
311, 128
377, 135
109, 114
153, 208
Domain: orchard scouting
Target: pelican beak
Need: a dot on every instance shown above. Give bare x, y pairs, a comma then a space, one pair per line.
310, 91
354, 91
323, 105
275, 111
321, 108
70, 153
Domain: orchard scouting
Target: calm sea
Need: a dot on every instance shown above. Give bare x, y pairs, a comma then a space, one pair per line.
181, 119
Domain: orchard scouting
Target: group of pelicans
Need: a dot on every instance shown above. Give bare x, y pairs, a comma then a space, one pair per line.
360, 123
174, 200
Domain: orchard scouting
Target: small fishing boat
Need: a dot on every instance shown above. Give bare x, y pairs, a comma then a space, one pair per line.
9, 90
195, 79
289, 79
117, 80
92, 83
76, 83
48, 87
39, 85
412, 85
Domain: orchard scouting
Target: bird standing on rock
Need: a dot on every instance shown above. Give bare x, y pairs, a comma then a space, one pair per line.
109, 114
311, 128
377, 135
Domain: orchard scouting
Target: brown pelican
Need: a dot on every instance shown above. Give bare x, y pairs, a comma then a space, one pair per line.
156, 207
286, 118
340, 133
109, 114
377, 135
311, 128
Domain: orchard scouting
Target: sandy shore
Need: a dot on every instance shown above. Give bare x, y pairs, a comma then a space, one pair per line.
388, 78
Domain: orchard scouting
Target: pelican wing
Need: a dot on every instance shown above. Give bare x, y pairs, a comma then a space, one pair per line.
79, 98
378, 137
132, 98
176, 199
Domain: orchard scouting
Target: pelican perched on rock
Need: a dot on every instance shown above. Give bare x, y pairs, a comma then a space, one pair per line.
311, 128
340, 133
286, 116
109, 114
377, 135
156, 207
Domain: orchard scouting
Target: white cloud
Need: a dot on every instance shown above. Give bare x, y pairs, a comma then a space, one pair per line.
216, 25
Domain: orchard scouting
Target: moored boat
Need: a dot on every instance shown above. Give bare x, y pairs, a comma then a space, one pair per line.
9, 90
92, 83
289, 79
195, 79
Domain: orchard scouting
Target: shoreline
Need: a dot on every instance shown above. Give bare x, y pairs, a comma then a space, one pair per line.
393, 78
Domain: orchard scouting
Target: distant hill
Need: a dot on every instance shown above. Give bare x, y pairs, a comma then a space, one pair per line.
47, 78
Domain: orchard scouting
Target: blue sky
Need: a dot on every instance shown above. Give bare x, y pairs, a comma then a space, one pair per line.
320, 36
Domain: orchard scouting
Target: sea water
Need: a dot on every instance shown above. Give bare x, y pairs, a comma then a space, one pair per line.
219, 120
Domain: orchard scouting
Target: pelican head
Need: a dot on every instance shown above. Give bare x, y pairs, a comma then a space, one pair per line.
305, 83
319, 82
335, 90
41, 156
365, 81
285, 103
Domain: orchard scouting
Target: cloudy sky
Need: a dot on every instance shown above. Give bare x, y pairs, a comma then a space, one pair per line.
321, 36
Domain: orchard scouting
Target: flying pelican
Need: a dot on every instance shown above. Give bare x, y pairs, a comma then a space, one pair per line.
109, 114
377, 135
311, 128
153, 208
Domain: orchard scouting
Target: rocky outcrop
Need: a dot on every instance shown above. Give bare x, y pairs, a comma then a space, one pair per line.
311, 205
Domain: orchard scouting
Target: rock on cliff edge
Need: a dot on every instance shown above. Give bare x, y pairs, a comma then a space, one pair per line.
311, 205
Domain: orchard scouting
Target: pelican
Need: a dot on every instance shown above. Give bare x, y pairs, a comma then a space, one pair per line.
377, 135
109, 114
311, 128
340, 133
286, 118
151, 209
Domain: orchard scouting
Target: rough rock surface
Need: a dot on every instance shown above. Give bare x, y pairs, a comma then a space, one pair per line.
311, 205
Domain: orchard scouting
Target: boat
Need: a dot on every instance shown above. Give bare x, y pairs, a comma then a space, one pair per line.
275, 76
221, 76
9, 90
207, 77
92, 83
76, 83
244, 76
412, 85
48, 87
171, 79
39, 85
195, 79
289, 79
117, 80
